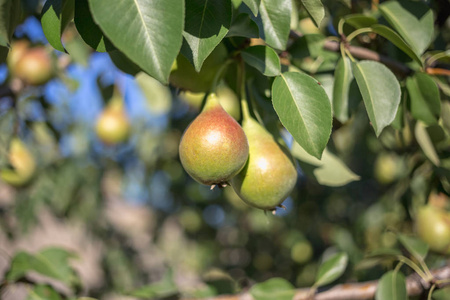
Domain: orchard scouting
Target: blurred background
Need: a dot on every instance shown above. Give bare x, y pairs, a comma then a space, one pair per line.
132, 216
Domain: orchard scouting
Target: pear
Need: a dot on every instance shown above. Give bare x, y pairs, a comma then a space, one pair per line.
433, 227
22, 162
269, 175
214, 147
112, 125
35, 66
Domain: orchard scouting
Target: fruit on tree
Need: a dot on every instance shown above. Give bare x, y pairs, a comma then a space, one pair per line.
388, 167
22, 162
112, 125
214, 147
18, 49
184, 76
433, 227
35, 66
269, 175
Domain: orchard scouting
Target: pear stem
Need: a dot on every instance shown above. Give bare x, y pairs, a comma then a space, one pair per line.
219, 74
241, 82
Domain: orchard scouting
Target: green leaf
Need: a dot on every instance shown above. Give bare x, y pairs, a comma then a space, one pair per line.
445, 116
309, 45
345, 92
164, 288
207, 23
360, 20
10, 15
417, 247
88, 29
380, 91
275, 21
315, 10
56, 14
253, 5
330, 170
424, 140
413, 20
442, 294
274, 288
395, 39
244, 26
331, 269
50, 262
425, 100
262, 58
236, 3
149, 33
43, 292
392, 285
304, 109
122, 62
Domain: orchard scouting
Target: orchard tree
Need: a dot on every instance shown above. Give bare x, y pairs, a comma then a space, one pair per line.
224, 149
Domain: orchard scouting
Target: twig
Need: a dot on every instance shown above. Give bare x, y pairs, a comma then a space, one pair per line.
363, 53
415, 285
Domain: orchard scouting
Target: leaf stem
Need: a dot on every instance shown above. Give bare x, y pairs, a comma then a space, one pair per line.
430, 293
341, 26
414, 266
352, 35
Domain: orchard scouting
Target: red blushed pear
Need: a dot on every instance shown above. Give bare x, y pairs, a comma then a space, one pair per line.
35, 66
270, 174
214, 147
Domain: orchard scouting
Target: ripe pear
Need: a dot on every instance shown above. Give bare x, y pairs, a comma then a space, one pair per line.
269, 175
214, 147
22, 162
433, 227
112, 125
35, 66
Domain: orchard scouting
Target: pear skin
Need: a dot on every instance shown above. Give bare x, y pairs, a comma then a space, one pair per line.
112, 125
433, 227
214, 147
23, 163
269, 175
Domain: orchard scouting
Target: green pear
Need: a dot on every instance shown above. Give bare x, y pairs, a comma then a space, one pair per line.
214, 147
433, 227
22, 162
269, 175
112, 125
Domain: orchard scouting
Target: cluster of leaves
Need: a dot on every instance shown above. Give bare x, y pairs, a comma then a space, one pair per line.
334, 106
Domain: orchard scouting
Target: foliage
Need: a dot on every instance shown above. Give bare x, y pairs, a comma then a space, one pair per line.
358, 91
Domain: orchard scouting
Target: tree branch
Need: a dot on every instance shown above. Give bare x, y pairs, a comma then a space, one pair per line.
363, 53
415, 285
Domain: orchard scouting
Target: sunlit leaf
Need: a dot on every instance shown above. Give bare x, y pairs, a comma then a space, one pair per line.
380, 91
274, 21
425, 99
262, 58
413, 20
360, 20
253, 5
315, 10
56, 14
331, 269
274, 288
330, 171
207, 23
345, 91
392, 285
304, 109
423, 138
148, 32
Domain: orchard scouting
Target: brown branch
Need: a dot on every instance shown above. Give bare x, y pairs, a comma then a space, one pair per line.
415, 285
363, 53
438, 71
